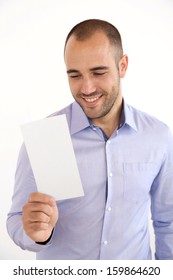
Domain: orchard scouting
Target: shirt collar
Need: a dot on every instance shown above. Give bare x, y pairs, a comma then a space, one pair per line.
128, 116
79, 120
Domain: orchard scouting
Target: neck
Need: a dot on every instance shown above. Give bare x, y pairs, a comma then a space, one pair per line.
110, 122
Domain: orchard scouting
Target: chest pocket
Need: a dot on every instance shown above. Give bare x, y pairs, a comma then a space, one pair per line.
138, 178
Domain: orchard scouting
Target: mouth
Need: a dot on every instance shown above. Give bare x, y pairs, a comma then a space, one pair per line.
92, 100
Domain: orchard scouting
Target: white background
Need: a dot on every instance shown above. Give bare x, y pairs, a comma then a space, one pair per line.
33, 81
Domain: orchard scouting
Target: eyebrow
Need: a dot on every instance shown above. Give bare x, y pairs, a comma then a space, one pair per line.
99, 68
72, 71
91, 69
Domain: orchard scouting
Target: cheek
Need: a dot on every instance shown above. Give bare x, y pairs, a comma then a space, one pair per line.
73, 87
107, 84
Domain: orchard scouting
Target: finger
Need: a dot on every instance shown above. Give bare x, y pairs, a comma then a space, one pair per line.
43, 198
37, 226
39, 217
39, 207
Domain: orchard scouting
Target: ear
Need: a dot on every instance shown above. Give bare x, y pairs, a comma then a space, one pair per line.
123, 64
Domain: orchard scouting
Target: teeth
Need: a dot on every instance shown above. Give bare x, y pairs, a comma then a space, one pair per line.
91, 99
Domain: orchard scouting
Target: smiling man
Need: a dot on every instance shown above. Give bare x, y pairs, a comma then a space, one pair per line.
125, 160
94, 74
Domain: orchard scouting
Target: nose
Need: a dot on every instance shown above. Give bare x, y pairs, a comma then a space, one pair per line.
88, 86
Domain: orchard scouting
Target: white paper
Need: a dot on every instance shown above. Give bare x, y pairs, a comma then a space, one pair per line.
52, 157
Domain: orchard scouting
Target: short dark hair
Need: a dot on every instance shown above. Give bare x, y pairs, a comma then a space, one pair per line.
85, 29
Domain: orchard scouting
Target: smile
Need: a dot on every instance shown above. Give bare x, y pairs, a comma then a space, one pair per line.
91, 100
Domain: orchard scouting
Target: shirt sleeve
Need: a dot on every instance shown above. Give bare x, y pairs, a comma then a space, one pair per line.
162, 204
24, 186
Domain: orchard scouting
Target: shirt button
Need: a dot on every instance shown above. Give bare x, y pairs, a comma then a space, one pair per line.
109, 209
108, 141
105, 242
110, 174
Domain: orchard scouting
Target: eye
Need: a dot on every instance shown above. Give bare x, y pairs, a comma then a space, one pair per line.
99, 73
74, 76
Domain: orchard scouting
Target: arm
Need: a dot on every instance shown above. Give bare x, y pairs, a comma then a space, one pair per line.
17, 224
162, 205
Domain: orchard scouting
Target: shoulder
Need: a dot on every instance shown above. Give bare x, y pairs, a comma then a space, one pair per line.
152, 130
66, 110
145, 121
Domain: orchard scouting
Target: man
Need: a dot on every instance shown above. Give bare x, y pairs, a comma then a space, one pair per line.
125, 160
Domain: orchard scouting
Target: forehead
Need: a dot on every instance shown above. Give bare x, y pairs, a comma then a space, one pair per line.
97, 47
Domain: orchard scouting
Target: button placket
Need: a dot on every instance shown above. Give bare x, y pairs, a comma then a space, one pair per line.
108, 209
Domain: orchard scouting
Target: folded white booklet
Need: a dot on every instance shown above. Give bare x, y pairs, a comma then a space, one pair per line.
52, 157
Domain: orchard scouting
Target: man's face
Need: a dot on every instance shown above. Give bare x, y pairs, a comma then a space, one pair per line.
94, 77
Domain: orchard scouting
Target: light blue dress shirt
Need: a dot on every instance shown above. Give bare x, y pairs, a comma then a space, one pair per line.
121, 178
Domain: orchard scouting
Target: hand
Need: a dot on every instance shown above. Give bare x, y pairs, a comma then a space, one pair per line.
40, 215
